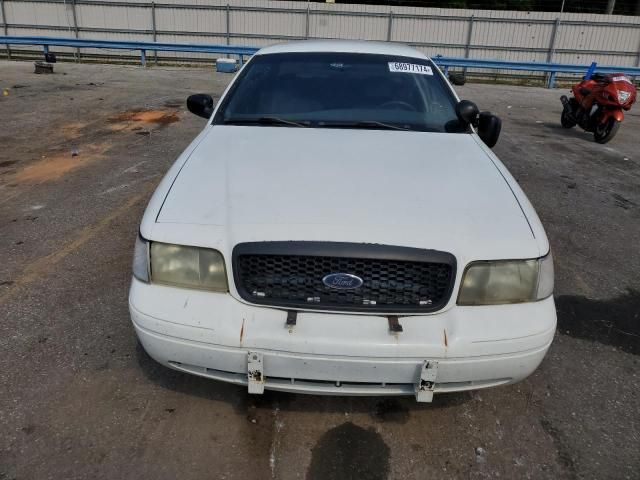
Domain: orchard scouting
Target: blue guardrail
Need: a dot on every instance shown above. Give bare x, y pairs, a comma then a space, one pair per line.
443, 62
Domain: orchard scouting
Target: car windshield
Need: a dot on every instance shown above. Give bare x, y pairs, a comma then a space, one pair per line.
341, 90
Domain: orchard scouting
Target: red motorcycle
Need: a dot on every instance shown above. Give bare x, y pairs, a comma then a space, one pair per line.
598, 103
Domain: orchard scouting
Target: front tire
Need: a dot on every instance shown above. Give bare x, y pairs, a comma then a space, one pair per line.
605, 132
566, 119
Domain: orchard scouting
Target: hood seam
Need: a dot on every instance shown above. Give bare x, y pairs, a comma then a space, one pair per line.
173, 181
524, 214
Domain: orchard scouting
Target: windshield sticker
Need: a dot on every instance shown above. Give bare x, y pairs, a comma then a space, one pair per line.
409, 68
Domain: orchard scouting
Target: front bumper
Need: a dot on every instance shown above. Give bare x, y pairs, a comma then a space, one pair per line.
211, 335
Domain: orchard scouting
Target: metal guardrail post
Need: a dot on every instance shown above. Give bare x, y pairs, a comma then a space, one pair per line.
469, 37
467, 48
155, 34
551, 80
75, 26
638, 59
552, 42
143, 58
228, 24
6, 28
306, 28
389, 26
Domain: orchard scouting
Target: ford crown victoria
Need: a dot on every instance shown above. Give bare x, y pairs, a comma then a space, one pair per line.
341, 226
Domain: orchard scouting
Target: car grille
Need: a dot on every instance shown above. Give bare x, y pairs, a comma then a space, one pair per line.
394, 279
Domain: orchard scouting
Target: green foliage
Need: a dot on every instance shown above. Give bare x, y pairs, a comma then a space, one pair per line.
622, 7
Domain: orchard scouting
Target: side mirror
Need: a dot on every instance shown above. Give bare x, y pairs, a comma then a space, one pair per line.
200, 104
467, 112
489, 128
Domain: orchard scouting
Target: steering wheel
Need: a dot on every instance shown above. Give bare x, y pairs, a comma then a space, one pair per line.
400, 104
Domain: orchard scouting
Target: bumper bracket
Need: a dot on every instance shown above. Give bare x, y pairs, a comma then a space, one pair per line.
427, 382
255, 373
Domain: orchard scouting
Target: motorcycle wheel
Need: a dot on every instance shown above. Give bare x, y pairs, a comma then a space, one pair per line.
566, 119
605, 132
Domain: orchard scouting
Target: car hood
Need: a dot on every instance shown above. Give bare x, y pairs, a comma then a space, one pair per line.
425, 190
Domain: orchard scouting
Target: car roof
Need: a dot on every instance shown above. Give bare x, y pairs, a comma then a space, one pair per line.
349, 46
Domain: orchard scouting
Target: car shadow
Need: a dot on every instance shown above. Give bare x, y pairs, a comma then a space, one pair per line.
393, 409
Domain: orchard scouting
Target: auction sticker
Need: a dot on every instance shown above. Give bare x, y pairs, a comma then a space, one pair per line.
410, 68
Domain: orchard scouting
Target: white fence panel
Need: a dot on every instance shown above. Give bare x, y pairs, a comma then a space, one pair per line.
431, 31
38, 14
330, 25
182, 20
256, 23
597, 38
113, 17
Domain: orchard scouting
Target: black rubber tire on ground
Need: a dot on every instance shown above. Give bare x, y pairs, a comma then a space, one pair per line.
565, 120
457, 78
605, 133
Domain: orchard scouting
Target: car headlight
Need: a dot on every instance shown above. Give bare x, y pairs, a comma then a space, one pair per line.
180, 266
623, 96
506, 281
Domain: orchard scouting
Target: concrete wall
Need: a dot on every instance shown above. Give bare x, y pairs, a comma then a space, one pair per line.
508, 35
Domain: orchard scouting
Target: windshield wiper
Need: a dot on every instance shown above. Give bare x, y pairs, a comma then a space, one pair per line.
363, 124
265, 121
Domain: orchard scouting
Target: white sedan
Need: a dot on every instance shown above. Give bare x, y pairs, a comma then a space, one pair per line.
341, 226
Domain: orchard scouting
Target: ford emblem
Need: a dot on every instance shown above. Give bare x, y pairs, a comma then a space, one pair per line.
342, 281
